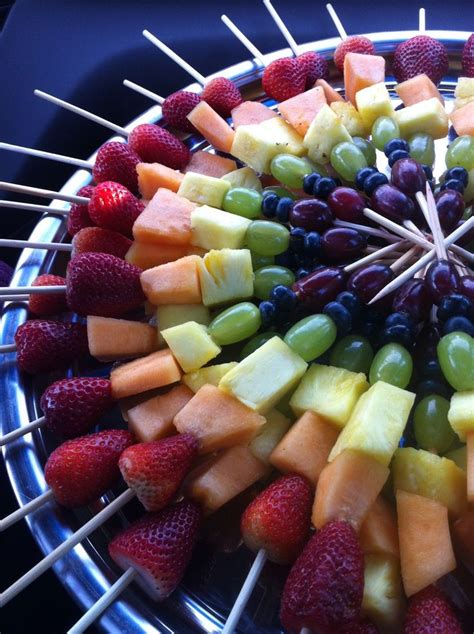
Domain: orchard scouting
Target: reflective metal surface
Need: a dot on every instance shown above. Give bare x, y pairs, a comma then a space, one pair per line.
212, 584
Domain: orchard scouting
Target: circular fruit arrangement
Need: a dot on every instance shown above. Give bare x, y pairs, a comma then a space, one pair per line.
285, 318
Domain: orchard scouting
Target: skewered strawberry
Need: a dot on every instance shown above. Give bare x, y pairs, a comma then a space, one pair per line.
430, 613
154, 144
113, 206
352, 44
362, 626
159, 547
155, 470
81, 470
99, 240
176, 108
78, 217
222, 95
284, 78
420, 54
50, 304
468, 57
117, 162
315, 67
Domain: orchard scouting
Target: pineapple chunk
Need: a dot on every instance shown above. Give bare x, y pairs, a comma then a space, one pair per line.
191, 345
377, 422
374, 102
170, 315
459, 456
215, 229
427, 116
225, 275
423, 473
243, 177
383, 600
262, 378
207, 376
270, 435
464, 91
326, 131
330, 392
351, 119
461, 413
203, 189
256, 144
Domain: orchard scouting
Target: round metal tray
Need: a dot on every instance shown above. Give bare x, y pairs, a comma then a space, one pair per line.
215, 576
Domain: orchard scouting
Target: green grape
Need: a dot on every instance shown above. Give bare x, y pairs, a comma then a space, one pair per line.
312, 336
456, 358
269, 276
347, 160
353, 353
459, 456
235, 323
422, 148
461, 152
367, 148
320, 169
256, 342
259, 261
267, 238
392, 364
469, 190
282, 192
384, 130
431, 424
290, 170
243, 202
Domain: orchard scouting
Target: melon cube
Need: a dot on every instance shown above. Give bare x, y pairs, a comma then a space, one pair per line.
470, 466
461, 413
361, 71
215, 229
329, 92
330, 392
262, 378
463, 119
112, 339
217, 420
156, 370
173, 283
374, 102
426, 116
269, 435
250, 112
146, 255
152, 176
377, 422
191, 345
212, 126
383, 600
300, 111
210, 164
207, 376
165, 220
351, 119
204, 190
378, 534
225, 275
325, 131
416, 89
244, 177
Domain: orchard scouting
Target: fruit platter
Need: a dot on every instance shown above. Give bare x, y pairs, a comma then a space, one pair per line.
237, 351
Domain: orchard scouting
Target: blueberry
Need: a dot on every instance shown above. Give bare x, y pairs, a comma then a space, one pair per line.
283, 297
324, 186
428, 172
395, 144
459, 173
398, 333
285, 259
398, 318
309, 182
452, 305
351, 302
312, 244
396, 155
283, 209
340, 316
362, 174
269, 205
453, 183
432, 386
459, 323
297, 235
431, 369
300, 273
373, 181
268, 313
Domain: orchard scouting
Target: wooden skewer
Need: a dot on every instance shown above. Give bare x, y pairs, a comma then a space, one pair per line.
43, 193
28, 244
175, 57
14, 298
402, 260
243, 39
21, 431
61, 158
8, 347
435, 224
337, 22
398, 229
376, 255
30, 290
25, 510
371, 231
422, 20
282, 26
44, 209
143, 91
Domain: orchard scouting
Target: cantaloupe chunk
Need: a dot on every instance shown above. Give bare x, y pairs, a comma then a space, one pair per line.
156, 370
417, 89
249, 112
152, 176
426, 552
305, 447
173, 283
212, 126
300, 111
218, 420
146, 255
470, 466
378, 534
111, 339
361, 71
165, 220
210, 164
463, 119
153, 419
220, 479
347, 488
330, 93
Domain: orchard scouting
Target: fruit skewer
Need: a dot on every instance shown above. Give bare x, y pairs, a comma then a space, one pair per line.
144, 91
29, 244
175, 57
352, 43
282, 26
42, 193
48, 155
243, 39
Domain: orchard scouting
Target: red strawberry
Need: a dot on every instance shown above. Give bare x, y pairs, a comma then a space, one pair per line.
324, 588
155, 470
156, 145
420, 54
159, 546
98, 240
284, 78
50, 304
222, 95
315, 67
44, 346
176, 108
353, 44
102, 284
81, 470
362, 626
278, 520
73, 406
468, 57
430, 613
117, 162
78, 216
114, 207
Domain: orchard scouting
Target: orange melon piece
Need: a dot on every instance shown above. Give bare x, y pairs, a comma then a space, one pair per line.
249, 112
111, 339
347, 488
224, 476
463, 119
418, 88
218, 420
153, 419
330, 93
152, 176
470, 465
210, 164
146, 255
378, 534
155, 370
361, 71
165, 220
300, 111
212, 126
305, 447
173, 283
426, 552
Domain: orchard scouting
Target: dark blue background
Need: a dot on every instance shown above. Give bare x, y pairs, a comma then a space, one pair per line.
81, 51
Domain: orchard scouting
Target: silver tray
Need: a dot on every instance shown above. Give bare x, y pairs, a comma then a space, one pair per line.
215, 576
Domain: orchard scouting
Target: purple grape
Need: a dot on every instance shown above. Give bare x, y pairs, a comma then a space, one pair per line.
466, 239
442, 279
450, 206
408, 176
341, 243
347, 204
312, 215
392, 203
413, 298
466, 286
320, 287
367, 281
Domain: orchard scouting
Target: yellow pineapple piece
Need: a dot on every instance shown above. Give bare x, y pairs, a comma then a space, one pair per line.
270, 435
383, 600
461, 413
374, 102
207, 376
203, 189
169, 315
326, 131
427, 116
216, 229
350, 118
225, 275
191, 345
243, 177
464, 92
